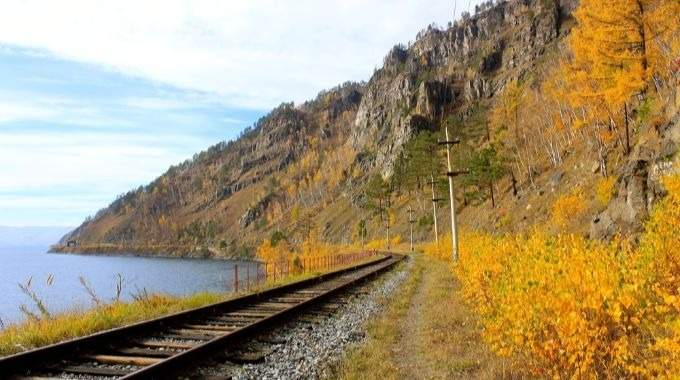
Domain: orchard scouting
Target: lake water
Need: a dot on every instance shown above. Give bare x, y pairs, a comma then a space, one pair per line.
156, 275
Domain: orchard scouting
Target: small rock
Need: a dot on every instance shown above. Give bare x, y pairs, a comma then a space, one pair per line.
556, 179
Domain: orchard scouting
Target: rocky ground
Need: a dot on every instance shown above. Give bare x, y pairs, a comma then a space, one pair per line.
307, 347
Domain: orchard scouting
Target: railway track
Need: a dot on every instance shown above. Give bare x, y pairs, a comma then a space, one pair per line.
159, 348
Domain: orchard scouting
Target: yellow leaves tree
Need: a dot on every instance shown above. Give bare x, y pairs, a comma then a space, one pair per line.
505, 115
618, 46
507, 128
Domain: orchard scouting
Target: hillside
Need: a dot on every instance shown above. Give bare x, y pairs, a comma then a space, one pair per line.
305, 168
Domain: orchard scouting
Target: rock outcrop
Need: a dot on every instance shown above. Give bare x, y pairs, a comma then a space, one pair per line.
474, 57
638, 186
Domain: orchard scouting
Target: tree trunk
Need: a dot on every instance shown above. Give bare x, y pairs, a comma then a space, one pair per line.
625, 118
493, 199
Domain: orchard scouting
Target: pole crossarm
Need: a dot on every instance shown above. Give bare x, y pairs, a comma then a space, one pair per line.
457, 173
449, 142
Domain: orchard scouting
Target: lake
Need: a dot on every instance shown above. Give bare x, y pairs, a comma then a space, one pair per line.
64, 291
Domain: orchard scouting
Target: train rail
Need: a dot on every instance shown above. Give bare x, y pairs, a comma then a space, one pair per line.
158, 348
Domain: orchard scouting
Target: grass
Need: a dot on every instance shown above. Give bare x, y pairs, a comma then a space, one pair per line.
72, 324
374, 359
46, 328
425, 333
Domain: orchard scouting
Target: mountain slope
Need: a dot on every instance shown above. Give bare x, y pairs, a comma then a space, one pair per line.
303, 168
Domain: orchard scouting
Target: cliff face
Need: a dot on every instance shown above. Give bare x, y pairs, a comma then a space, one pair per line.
219, 200
449, 69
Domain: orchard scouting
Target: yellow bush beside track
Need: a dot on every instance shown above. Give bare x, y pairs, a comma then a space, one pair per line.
566, 306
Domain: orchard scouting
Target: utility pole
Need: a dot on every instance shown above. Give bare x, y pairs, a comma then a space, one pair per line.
434, 207
410, 222
450, 174
362, 231
387, 218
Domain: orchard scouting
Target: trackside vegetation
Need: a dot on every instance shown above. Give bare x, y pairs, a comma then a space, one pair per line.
565, 306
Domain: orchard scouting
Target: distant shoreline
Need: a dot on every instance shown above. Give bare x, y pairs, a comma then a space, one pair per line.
144, 251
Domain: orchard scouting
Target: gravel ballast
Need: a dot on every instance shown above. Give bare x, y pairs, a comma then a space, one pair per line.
306, 348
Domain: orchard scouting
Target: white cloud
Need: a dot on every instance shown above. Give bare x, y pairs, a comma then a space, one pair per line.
253, 53
157, 104
18, 106
109, 162
58, 179
14, 111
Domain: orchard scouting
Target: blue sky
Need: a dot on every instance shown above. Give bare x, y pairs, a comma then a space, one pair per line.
74, 135
97, 98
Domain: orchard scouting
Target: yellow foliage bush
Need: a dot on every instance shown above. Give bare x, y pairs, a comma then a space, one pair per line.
567, 207
311, 255
604, 190
381, 244
568, 307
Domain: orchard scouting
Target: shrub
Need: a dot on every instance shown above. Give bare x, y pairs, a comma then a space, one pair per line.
277, 236
567, 207
604, 190
567, 307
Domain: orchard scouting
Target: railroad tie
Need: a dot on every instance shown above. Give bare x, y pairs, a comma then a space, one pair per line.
140, 361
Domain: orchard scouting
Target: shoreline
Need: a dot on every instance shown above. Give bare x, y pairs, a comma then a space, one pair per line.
146, 251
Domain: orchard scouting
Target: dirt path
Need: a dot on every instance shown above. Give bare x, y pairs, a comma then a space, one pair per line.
440, 336
427, 332
410, 339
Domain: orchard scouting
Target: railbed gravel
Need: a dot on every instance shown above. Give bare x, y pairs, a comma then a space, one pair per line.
309, 349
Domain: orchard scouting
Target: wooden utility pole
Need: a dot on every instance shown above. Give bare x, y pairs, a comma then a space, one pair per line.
410, 222
450, 174
434, 208
625, 117
363, 231
387, 218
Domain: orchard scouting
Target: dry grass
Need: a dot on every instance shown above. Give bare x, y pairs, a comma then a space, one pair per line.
447, 339
426, 333
375, 359
42, 330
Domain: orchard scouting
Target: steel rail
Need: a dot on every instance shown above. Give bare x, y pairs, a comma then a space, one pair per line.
36, 361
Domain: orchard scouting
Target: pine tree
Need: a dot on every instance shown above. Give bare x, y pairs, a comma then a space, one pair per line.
485, 168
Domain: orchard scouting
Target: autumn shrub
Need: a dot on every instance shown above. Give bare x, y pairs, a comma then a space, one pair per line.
567, 207
564, 306
440, 250
604, 190
381, 244
312, 255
